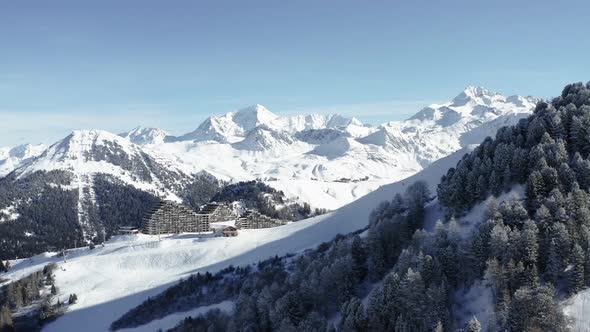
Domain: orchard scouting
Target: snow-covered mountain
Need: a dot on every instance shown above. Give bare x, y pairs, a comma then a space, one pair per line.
98, 180
325, 160
472, 115
263, 138
12, 157
234, 127
87, 152
145, 136
320, 158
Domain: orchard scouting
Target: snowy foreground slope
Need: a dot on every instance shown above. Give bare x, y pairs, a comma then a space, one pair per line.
578, 309
111, 280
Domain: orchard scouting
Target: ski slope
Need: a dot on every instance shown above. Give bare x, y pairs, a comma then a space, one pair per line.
112, 279
577, 309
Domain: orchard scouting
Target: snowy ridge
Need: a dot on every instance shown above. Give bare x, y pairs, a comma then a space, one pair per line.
439, 129
11, 158
88, 152
262, 138
145, 136
234, 127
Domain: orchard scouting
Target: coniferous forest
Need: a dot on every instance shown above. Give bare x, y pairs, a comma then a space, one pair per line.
531, 251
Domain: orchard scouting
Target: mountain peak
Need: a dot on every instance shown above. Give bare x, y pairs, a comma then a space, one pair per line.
93, 134
92, 151
477, 91
256, 109
80, 142
475, 95
143, 136
252, 116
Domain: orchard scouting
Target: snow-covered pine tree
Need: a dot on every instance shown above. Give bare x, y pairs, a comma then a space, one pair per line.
576, 277
473, 325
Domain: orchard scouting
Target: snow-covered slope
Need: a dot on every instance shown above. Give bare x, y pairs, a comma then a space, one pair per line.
111, 280
87, 152
145, 136
263, 138
321, 159
577, 309
12, 157
439, 129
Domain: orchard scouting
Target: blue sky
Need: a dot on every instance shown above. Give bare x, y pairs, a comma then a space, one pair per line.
113, 65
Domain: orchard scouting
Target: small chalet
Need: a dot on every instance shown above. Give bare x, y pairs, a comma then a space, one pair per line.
128, 230
229, 231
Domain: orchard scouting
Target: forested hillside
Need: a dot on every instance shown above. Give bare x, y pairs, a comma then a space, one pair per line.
47, 213
265, 199
528, 253
548, 154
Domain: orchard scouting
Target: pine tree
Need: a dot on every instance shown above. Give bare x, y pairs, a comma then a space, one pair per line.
6, 324
578, 210
46, 310
577, 135
506, 179
15, 296
531, 276
529, 247
550, 180
535, 185
563, 240
567, 177
353, 316
582, 169
495, 183
473, 325
535, 309
554, 263
439, 327
577, 273
520, 165
482, 187
498, 242
359, 257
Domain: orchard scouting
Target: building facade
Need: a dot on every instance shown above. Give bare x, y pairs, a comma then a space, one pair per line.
254, 220
169, 218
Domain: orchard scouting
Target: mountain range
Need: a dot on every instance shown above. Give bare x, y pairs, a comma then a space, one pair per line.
324, 160
318, 158
507, 215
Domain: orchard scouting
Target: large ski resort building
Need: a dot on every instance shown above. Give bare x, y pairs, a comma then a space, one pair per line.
169, 218
254, 219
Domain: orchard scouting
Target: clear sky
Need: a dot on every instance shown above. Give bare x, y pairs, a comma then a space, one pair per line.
113, 65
